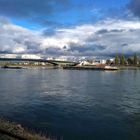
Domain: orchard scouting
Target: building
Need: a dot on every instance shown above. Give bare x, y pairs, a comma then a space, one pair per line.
30, 56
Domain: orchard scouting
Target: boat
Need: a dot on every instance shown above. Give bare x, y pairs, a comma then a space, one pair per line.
82, 68
111, 68
11, 67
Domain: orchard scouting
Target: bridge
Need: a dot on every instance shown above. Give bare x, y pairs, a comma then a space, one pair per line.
53, 62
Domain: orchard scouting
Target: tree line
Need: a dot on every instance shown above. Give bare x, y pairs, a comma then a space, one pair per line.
122, 60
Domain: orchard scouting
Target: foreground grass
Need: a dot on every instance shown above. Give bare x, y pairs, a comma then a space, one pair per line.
12, 131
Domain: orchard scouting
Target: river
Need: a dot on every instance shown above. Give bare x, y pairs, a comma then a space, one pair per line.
73, 104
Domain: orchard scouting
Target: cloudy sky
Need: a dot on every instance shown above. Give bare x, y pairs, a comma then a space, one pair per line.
70, 27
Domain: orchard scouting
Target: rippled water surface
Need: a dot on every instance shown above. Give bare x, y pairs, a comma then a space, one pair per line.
73, 105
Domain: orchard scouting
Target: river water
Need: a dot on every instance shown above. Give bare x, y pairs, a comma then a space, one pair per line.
72, 104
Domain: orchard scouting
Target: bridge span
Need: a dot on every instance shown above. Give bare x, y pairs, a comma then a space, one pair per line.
53, 62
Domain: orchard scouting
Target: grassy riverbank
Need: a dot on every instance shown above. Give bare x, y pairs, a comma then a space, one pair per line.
132, 67
13, 131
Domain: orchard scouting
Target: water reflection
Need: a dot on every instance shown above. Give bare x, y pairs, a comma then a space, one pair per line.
73, 104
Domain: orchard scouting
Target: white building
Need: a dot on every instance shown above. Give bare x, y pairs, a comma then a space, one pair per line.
8, 56
30, 56
84, 63
61, 58
103, 61
112, 59
92, 63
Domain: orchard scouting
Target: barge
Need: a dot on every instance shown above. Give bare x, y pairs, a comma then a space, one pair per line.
11, 67
111, 68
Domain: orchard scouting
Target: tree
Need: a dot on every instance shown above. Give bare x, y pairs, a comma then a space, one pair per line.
116, 60
130, 61
122, 60
108, 62
135, 59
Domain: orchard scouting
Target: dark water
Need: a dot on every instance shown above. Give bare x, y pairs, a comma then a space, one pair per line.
78, 105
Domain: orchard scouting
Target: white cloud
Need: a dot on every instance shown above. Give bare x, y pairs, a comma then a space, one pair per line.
16, 39
87, 39
103, 38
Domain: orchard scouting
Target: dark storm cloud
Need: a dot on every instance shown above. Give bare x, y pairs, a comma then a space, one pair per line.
33, 47
88, 49
134, 6
117, 31
75, 50
124, 45
54, 51
104, 31
33, 9
5, 52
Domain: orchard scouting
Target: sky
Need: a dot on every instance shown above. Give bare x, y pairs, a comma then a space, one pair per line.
71, 28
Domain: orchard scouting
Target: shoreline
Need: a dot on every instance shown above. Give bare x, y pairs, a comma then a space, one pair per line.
69, 67
27, 67
12, 131
129, 67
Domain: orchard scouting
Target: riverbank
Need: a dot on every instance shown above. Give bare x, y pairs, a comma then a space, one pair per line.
102, 67
128, 67
13, 131
27, 67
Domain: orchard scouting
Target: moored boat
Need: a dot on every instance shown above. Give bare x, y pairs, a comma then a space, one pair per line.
111, 68
11, 67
